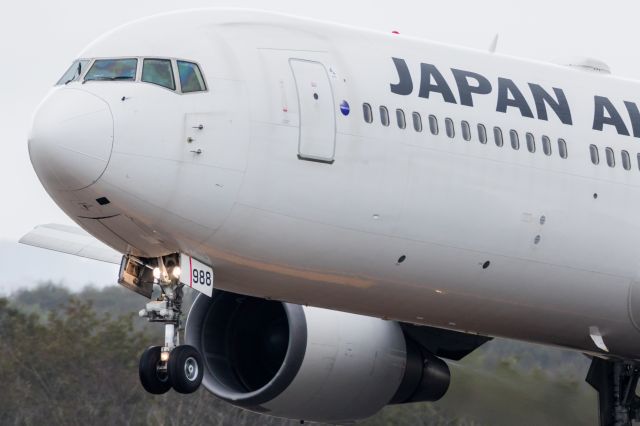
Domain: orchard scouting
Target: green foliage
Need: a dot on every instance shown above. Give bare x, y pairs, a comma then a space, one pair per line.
72, 365
71, 359
47, 296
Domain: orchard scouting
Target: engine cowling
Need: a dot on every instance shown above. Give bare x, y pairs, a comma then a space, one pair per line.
308, 363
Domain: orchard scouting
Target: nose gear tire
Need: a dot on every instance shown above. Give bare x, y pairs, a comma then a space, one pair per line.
185, 369
152, 379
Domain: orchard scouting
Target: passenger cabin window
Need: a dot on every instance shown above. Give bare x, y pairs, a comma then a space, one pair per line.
402, 122
546, 145
595, 157
626, 160
433, 124
515, 140
611, 158
466, 131
384, 116
113, 70
368, 113
562, 148
482, 133
448, 124
531, 143
191, 79
497, 136
158, 71
74, 72
417, 122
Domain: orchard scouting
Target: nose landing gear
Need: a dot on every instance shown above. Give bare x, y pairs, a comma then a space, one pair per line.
170, 365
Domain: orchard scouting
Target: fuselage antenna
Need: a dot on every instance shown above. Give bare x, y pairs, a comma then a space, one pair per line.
494, 43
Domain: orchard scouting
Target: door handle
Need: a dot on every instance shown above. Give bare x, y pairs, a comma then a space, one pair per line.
199, 127
197, 151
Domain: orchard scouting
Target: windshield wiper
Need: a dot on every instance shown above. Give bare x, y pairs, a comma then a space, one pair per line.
78, 74
105, 78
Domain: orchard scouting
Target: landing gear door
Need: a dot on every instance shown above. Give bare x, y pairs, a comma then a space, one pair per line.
317, 137
135, 277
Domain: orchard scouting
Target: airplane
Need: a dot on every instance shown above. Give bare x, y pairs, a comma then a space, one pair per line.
353, 207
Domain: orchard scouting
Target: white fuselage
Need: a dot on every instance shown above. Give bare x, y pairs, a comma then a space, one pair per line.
396, 223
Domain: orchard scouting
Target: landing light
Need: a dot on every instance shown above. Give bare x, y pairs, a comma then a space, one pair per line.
156, 273
164, 356
176, 272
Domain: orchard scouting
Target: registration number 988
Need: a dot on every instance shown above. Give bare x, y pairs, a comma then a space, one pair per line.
202, 277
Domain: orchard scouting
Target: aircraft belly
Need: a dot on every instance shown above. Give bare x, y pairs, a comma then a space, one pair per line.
341, 269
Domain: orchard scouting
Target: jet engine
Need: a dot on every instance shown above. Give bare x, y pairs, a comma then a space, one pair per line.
308, 363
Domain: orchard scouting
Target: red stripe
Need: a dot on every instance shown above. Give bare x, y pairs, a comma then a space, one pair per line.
190, 272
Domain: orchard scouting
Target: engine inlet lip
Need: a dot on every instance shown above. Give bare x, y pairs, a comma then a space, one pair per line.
296, 350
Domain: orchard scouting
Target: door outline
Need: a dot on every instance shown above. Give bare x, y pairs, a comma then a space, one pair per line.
302, 156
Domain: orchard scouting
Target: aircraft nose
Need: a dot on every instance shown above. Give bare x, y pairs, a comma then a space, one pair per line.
71, 139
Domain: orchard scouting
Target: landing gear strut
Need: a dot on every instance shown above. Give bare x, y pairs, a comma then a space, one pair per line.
616, 383
170, 365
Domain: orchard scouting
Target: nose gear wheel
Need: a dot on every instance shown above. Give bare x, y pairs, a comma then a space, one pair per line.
153, 377
185, 369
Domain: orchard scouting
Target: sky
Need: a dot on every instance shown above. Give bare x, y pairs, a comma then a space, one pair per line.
40, 38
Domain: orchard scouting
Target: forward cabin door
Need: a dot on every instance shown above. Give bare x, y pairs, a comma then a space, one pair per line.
317, 137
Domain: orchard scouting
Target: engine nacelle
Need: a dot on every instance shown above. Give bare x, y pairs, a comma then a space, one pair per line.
308, 363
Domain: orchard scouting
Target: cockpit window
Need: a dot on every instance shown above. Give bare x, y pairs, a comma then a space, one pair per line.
74, 72
113, 70
190, 77
158, 71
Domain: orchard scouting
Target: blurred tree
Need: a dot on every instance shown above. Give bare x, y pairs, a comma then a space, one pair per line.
66, 360
72, 367
46, 296
78, 367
